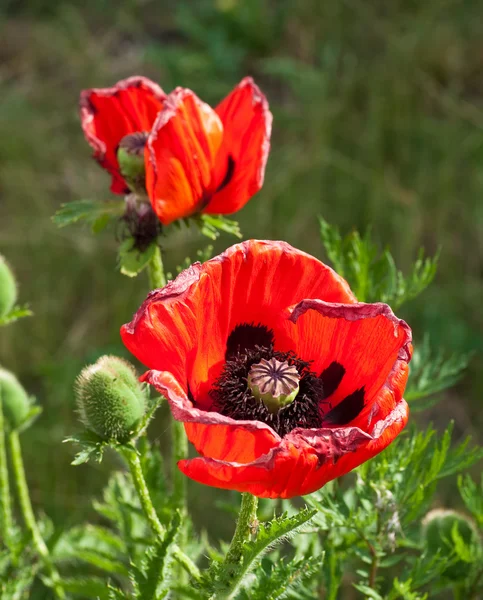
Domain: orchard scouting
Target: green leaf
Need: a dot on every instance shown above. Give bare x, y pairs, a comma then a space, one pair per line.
211, 226
373, 275
96, 214
132, 261
88, 587
431, 373
17, 312
152, 578
472, 496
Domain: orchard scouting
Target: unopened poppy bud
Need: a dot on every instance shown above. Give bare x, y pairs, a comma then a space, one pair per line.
438, 528
110, 398
273, 382
130, 155
14, 399
8, 288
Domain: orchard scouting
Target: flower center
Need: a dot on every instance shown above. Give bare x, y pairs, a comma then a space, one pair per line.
261, 384
273, 382
130, 156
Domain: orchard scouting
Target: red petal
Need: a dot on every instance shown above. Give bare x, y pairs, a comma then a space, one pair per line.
241, 160
303, 462
180, 155
213, 434
108, 114
184, 327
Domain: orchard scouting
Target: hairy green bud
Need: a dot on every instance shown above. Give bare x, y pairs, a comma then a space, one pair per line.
440, 530
14, 399
110, 399
8, 288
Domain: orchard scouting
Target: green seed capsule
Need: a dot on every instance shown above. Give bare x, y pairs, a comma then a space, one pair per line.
110, 399
15, 401
438, 527
8, 288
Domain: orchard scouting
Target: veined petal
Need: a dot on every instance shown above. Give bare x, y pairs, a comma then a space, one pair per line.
108, 114
180, 155
240, 163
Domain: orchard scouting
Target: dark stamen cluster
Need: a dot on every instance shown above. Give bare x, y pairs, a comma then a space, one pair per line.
233, 398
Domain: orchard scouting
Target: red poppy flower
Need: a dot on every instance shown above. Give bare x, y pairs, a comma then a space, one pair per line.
196, 159
265, 313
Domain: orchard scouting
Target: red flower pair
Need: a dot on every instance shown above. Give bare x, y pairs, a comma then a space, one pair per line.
282, 379
196, 159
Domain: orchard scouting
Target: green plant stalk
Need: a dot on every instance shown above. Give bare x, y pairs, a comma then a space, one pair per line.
157, 528
179, 442
6, 520
228, 575
28, 513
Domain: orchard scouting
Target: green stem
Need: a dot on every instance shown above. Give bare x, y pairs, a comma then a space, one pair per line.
28, 513
6, 520
230, 572
179, 442
157, 278
155, 524
142, 490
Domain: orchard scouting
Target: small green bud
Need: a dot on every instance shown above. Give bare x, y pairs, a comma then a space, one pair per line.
110, 399
438, 528
15, 401
8, 288
130, 156
274, 383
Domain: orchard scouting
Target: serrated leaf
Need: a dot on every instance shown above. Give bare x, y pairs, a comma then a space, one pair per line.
211, 226
431, 373
97, 214
472, 496
132, 261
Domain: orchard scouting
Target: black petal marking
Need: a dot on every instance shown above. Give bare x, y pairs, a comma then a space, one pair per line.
331, 378
248, 336
230, 169
347, 410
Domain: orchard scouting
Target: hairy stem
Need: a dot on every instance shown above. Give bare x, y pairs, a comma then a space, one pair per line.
6, 520
157, 278
228, 575
155, 524
143, 492
28, 513
179, 442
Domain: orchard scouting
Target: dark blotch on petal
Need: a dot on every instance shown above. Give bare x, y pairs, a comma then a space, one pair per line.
248, 336
347, 409
331, 378
230, 169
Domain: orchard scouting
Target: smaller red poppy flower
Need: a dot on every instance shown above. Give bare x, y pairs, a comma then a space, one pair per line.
196, 159
282, 379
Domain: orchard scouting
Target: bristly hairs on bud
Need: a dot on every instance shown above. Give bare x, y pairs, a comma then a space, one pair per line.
110, 399
8, 288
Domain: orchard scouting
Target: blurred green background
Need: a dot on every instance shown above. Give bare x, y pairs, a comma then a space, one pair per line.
378, 119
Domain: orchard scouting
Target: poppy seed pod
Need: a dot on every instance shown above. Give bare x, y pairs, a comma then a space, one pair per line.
438, 527
110, 399
8, 288
130, 156
14, 399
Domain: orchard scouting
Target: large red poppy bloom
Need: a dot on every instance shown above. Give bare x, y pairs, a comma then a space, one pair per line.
196, 159
202, 333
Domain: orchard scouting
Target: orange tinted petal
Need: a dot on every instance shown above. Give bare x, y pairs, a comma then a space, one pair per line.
180, 155
366, 339
242, 157
108, 114
303, 462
